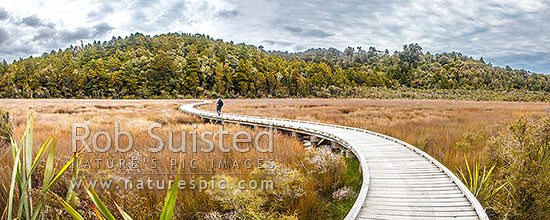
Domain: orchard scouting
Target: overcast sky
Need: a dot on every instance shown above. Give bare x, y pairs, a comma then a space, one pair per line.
504, 32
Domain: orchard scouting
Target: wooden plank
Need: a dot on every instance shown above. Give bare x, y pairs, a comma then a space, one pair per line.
416, 196
411, 178
406, 176
409, 192
391, 156
377, 217
432, 201
421, 208
400, 161
412, 185
416, 213
417, 188
416, 204
411, 182
412, 166
405, 170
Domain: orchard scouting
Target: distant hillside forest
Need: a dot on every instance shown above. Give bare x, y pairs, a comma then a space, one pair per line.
184, 65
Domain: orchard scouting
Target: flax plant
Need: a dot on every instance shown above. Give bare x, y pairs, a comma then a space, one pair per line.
24, 165
101, 211
478, 180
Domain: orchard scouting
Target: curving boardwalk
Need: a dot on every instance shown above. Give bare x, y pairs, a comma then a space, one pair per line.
399, 180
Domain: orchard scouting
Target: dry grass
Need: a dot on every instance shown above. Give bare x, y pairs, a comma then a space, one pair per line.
134, 116
448, 130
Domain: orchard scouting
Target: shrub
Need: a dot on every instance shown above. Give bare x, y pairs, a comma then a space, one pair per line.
522, 156
292, 186
343, 193
5, 128
235, 203
327, 168
470, 141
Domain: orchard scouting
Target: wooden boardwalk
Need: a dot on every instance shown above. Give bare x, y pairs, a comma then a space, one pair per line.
399, 180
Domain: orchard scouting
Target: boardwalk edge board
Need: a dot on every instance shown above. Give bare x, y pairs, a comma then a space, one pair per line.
361, 198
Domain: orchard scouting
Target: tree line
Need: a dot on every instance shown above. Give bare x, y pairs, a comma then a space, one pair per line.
177, 65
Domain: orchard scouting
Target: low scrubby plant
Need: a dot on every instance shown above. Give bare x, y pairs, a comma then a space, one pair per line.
235, 203
327, 168
522, 156
5, 128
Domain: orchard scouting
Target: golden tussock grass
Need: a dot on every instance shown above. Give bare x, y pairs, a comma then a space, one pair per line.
57, 116
447, 130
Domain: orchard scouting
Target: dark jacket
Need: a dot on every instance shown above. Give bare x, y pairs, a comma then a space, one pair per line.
219, 104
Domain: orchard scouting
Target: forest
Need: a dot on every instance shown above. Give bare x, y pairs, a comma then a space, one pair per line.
177, 65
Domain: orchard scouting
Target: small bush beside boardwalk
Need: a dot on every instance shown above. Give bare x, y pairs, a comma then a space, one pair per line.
522, 159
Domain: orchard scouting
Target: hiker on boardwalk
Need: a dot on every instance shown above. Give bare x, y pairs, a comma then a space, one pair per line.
219, 105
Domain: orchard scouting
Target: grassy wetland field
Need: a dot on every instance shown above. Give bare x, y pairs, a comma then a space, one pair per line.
447, 130
503, 145
296, 177
499, 149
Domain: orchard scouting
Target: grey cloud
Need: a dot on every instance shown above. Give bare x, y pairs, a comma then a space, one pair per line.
3, 35
34, 21
15, 51
139, 17
101, 29
99, 14
3, 14
311, 32
76, 34
299, 48
16, 44
277, 43
474, 31
494, 30
395, 29
82, 33
317, 33
12, 47
294, 30
537, 62
169, 16
149, 17
142, 4
174, 13
45, 34
93, 15
228, 13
